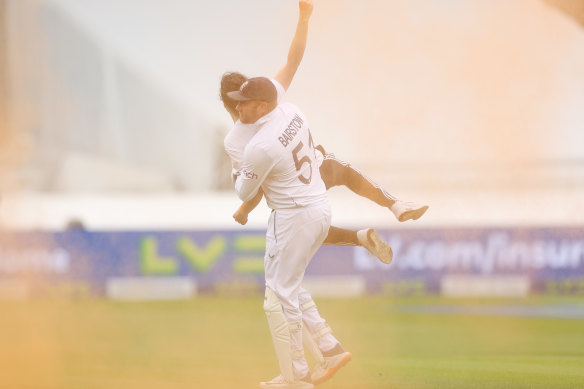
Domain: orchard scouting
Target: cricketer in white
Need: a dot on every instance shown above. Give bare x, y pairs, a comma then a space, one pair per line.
280, 158
238, 138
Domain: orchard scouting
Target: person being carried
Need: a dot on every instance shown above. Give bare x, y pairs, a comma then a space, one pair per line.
334, 172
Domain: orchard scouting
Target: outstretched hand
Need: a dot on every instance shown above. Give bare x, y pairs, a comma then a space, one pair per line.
306, 7
240, 216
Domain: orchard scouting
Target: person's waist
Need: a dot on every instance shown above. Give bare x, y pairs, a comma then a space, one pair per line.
299, 203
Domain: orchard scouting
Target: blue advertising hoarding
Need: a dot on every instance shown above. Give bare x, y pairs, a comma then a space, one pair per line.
220, 261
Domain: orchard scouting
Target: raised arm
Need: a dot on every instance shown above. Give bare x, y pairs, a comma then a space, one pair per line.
298, 45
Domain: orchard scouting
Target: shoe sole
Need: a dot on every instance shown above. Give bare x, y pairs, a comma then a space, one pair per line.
374, 240
414, 214
333, 370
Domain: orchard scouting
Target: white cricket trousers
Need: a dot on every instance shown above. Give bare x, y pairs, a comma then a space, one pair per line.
293, 237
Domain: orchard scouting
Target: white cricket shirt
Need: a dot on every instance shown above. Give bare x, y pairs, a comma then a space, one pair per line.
240, 135
281, 159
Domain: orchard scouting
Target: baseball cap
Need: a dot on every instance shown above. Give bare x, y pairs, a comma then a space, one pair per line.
256, 88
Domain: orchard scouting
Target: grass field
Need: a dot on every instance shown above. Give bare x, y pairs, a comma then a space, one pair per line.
224, 343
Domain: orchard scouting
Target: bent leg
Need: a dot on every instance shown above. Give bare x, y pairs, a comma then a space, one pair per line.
368, 238
335, 172
341, 237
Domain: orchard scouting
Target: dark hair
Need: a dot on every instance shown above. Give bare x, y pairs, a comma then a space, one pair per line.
230, 81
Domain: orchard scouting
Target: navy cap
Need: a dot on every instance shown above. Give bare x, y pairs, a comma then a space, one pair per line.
256, 88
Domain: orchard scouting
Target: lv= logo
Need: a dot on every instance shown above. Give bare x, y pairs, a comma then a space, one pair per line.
247, 259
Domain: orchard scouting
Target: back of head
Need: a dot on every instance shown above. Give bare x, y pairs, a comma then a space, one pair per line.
230, 81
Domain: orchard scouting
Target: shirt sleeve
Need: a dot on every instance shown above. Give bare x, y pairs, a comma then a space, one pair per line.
279, 89
233, 154
255, 167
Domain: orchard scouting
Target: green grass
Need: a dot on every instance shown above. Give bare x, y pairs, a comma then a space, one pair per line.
224, 343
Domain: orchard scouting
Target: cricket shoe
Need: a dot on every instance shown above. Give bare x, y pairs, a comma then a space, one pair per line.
405, 210
280, 383
331, 365
370, 239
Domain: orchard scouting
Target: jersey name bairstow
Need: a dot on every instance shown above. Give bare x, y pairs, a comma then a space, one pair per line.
281, 156
290, 132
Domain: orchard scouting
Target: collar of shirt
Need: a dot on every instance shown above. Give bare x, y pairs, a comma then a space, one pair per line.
266, 118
